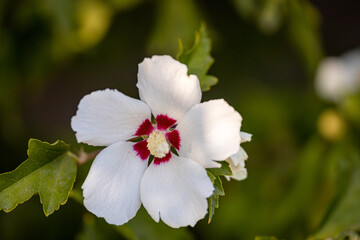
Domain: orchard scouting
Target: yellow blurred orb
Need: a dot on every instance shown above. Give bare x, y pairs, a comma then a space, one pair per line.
93, 21
331, 125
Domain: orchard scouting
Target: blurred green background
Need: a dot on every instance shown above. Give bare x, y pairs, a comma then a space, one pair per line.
300, 181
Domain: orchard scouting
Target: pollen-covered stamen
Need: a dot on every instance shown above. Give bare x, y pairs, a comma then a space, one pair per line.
157, 144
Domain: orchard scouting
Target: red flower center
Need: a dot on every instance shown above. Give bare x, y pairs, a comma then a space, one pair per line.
157, 139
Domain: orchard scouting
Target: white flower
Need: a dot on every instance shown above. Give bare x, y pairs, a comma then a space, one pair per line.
337, 77
173, 188
237, 160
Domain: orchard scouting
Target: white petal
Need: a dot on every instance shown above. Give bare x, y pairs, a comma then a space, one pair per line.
165, 86
112, 187
245, 137
210, 131
176, 191
108, 116
239, 174
239, 171
239, 157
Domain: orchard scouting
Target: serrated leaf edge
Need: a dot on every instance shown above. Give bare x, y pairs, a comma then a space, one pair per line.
37, 193
68, 194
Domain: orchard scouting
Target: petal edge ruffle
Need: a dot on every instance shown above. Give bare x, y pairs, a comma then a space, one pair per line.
176, 191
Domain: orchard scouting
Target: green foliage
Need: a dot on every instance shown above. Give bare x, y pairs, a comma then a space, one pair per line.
173, 20
345, 215
348, 235
350, 107
198, 58
306, 184
265, 238
49, 171
214, 175
303, 31
213, 200
224, 170
267, 14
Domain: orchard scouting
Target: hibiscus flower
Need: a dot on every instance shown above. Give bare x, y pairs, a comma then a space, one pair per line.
187, 137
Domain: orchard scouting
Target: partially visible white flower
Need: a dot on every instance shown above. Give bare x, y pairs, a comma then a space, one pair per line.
237, 160
337, 77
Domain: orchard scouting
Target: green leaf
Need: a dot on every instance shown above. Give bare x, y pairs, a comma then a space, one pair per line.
213, 203
224, 170
173, 20
49, 171
198, 58
219, 190
211, 176
214, 199
214, 175
346, 214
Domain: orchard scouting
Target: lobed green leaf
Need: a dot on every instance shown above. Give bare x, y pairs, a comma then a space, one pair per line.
219, 190
214, 175
198, 58
49, 171
213, 203
211, 176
